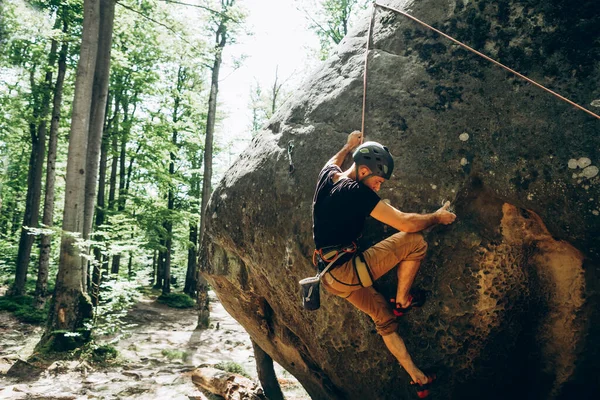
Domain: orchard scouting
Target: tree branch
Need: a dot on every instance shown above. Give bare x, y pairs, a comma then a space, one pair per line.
159, 23
219, 13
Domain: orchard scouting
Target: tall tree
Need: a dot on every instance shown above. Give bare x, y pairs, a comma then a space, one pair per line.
168, 224
330, 19
222, 22
70, 303
97, 116
47, 219
99, 261
40, 104
194, 193
263, 105
257, 107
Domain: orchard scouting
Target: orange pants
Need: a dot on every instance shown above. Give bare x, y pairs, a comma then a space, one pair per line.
344, 280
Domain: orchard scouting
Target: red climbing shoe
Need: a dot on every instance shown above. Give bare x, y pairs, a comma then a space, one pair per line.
423, 390
416, 299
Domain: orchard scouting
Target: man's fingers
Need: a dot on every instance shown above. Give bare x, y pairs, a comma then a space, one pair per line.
446, 205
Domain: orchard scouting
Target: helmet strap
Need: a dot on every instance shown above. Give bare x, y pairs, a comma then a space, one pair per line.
366, 177
360, 180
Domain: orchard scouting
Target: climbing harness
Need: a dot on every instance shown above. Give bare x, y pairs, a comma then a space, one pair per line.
331, 253
369, 39
324, 259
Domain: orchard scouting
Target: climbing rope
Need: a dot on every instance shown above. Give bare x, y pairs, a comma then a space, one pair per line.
369, 39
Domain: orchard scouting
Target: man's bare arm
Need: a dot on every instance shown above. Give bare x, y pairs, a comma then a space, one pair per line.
355, 139
411, 222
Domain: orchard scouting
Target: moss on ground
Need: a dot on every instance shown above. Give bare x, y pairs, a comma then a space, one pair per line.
232, 367
176, 300
24, 309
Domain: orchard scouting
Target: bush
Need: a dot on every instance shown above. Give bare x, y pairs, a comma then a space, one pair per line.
176, 300
117, 298
104, 353
23, 308
232, 367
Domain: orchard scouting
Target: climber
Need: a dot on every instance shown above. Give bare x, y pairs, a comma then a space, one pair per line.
341, 204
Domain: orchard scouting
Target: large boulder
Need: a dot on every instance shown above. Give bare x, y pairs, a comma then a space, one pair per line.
513, 283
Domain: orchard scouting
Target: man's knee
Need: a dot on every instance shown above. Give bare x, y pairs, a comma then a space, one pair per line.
417, 246
420, 244
386, 327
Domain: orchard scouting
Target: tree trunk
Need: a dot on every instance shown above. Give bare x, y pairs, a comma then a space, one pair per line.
123, 154
36, 160
41, 287
190, 275
70, 304
266, 373
116, 261
153, 277
112, 185
97, 116
130, 264
171, 195
32, 205
160, 267
123, 184
192, 264
100, 259
166, 286
10, 217
275, 92
221, 40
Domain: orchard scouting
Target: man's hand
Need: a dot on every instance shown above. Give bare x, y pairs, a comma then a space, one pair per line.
355, 139
444, 216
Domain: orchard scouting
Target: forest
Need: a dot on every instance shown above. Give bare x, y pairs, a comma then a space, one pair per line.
109, 124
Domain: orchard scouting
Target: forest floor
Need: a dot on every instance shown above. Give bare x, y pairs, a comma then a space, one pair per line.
156, 358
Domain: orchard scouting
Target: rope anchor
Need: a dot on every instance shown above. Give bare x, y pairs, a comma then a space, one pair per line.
289, 151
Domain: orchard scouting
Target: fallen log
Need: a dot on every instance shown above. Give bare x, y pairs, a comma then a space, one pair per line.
227, 385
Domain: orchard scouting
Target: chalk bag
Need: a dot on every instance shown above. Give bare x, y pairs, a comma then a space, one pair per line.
311, 298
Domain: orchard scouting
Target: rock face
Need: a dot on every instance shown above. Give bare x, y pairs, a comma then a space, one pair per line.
513, 284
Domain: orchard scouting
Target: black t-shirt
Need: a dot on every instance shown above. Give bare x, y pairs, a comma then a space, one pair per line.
340, 209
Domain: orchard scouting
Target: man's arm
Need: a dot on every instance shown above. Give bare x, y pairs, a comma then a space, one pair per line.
411, 222
355, 139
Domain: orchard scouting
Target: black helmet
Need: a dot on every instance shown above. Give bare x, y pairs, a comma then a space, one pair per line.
376, 157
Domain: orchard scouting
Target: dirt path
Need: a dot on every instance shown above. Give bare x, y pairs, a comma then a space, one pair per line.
156, 357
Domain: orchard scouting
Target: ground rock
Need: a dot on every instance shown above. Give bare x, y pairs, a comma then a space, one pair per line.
228, 385
513, 305
24, 371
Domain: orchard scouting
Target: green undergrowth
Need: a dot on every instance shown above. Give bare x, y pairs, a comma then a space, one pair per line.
101, 355
24, 309
149, 291
233, 367
175, 354
30, 283
176, 300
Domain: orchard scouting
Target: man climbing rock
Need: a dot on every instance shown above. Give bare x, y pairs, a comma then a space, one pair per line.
341, 204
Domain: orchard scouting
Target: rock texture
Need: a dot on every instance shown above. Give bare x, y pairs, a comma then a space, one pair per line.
513, 284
